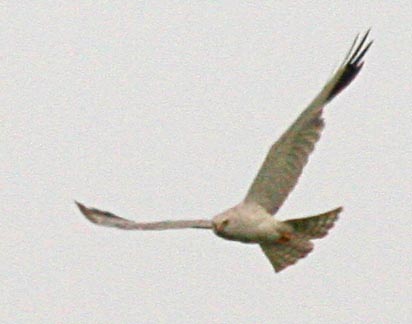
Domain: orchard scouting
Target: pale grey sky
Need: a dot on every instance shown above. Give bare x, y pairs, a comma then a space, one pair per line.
165, 110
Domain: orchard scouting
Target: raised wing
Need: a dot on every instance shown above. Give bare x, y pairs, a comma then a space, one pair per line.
105, 218
287, 157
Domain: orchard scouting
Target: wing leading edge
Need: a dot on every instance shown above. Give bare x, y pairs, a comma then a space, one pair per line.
108, 219
286, 158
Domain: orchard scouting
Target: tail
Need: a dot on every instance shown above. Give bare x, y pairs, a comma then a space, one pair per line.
296, 244
316, 226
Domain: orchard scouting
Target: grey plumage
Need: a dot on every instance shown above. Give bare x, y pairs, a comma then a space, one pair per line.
251, 221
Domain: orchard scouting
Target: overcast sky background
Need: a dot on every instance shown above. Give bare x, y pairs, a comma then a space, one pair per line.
165, 111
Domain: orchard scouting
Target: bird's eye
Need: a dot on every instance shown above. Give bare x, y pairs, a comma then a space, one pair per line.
219, 226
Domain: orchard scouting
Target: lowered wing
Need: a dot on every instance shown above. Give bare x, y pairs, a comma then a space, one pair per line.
110, 220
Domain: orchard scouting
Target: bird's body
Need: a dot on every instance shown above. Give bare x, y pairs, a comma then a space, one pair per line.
247, 223
252, 221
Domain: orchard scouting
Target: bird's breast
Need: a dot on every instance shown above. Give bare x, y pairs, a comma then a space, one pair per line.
248, 224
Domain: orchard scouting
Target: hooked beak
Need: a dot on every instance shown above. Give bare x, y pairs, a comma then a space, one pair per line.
214, 226
217, 227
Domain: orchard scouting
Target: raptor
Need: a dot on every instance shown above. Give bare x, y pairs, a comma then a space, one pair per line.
252, 221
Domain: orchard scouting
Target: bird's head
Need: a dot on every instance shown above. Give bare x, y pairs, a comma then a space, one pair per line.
219, 225
224, 224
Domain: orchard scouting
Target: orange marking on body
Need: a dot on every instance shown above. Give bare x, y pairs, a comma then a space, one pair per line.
285, 238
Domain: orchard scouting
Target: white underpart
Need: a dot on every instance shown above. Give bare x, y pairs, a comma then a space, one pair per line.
248, 222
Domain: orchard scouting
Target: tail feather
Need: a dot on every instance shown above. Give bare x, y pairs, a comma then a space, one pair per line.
285, 253
316, 226
282, 255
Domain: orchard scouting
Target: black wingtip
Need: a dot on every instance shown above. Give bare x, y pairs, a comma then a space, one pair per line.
91, 214
352, 65
82, 207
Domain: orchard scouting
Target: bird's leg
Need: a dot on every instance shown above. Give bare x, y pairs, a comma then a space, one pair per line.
285, 237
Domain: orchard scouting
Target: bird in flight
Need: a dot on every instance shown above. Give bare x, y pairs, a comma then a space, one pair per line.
251, 221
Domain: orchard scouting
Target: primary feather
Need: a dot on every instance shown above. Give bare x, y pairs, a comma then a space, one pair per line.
284, 243
287, 157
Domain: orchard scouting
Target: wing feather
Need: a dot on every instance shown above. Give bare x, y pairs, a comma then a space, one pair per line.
284, 255
287, 157
105, 218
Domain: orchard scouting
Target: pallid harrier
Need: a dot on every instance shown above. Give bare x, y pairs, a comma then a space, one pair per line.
251, 221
